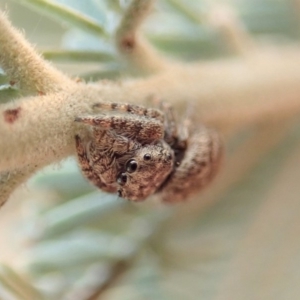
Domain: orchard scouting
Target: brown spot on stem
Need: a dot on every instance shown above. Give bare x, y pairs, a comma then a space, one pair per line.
11, 115
12, 83
41, 93
128, 43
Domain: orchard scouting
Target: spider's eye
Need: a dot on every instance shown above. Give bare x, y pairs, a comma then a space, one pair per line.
147, 156
122, 179
131, 166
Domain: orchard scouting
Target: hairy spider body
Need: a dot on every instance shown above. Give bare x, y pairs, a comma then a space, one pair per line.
139, 151
125, 153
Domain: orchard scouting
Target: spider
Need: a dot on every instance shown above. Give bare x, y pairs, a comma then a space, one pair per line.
138, 151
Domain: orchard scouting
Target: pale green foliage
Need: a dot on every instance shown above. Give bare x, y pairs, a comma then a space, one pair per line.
183, 252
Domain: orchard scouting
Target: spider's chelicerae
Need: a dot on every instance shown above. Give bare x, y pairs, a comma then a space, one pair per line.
138, 151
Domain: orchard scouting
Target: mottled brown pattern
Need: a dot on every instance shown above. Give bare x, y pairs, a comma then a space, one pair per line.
120, 139
139, 151
11, 115
88, 170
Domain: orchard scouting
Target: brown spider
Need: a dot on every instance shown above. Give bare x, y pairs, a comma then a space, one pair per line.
139, 151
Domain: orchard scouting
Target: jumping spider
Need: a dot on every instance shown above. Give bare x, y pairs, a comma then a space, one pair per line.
139, 151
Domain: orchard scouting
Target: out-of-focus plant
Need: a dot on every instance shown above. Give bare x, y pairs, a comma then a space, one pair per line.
90, 245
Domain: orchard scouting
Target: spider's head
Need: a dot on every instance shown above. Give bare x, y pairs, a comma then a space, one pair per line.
145, 172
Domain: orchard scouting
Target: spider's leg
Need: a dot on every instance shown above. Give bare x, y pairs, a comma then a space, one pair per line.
87, 170
176, 136
131, 109
185, 128
170, 123
142, 129
198, 167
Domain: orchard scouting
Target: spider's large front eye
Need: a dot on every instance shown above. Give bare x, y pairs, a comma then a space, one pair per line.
131, 166
122, 179
147, 156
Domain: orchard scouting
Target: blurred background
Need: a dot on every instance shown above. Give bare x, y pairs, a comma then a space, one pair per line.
60, 238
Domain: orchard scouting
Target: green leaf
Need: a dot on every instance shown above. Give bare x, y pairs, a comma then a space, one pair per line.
18, 287
66, 14
79, 56
81, 211
3, 78
185, 10
67, 182
8, 93
83, 247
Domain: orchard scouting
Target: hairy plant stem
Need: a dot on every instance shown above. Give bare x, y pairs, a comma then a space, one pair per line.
262, 87
10, 180
24, 67
137, 51
225, 95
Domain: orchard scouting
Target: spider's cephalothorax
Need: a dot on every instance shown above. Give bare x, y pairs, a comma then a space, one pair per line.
138, 151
